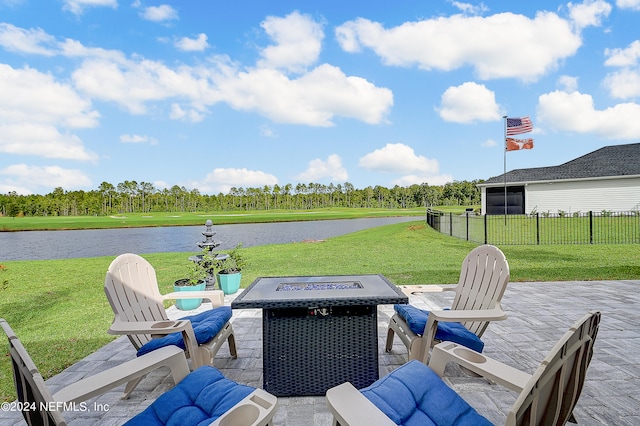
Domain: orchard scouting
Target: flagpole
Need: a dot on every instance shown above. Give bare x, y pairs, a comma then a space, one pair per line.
505, 169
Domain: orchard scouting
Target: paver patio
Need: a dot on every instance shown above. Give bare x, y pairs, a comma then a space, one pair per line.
539, 313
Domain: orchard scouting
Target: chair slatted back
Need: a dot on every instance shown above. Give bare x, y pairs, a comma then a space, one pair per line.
131, 287
484, 276
553, 391
30, 387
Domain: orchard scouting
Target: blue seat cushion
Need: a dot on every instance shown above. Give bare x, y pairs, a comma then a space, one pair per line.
449, 331
205, 326
413, 395
199, 399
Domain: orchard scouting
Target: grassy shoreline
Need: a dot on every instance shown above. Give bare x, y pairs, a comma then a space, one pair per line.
158, 219
58, 307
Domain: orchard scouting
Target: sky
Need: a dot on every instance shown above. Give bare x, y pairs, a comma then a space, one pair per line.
212, 95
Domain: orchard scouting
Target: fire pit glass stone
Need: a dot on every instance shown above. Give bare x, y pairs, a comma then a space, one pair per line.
344, 285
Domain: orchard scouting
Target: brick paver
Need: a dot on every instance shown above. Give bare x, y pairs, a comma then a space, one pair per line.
539, 313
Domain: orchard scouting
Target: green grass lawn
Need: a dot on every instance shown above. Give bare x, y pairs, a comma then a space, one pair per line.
59, 310
130, 220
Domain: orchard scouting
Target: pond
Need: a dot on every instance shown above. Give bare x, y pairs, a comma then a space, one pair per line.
39, 245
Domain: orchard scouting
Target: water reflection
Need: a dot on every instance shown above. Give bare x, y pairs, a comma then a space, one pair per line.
35, 245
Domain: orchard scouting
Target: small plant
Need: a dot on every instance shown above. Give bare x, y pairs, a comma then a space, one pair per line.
196, 273
234, 263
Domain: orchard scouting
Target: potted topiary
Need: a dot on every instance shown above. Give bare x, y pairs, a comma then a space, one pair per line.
229, 270
195, 281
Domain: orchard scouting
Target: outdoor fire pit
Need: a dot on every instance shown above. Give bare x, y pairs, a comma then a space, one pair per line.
319, 332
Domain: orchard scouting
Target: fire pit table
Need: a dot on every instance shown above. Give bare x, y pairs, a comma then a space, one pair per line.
319, 332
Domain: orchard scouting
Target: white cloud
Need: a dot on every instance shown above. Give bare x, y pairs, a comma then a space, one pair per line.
33, 109
623, 84
32, 41
222, 180
623, 57
197, 44
313, 99
398, 158
161, 184
132, 84
575, 112
589, 13
628, 4
42, 140
470, 9
31, 96
489, 143
189, 114
160, 13
77, 6
432, 180
535, 46
568, 83
297, 42
135, 139
9, 186
22, 176
35, 41
468, 103
318, 169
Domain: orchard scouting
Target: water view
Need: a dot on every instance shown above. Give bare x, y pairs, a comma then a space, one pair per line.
39, 245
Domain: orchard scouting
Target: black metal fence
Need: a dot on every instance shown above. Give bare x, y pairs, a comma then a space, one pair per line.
605, 227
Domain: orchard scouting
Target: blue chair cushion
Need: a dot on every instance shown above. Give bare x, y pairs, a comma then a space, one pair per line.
449, 331
413, 395
205, 326
199, 399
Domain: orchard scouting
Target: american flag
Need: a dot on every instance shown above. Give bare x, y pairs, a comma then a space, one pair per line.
516, 126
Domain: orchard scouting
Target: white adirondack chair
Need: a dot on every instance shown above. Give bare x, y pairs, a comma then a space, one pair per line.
483, 279
416, 394
132, 290
251, 406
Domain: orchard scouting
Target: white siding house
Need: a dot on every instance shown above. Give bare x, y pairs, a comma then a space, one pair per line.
611, 194
606, 179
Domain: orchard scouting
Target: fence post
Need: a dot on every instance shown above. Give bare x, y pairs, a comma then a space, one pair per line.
450, 224
467, 214
590, 227
485, 229
538, 228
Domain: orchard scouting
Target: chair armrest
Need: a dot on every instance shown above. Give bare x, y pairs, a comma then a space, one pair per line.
452, 315
257, 409
216, 297
430, 328
161, 328
496, 371
84, 389
418, 289
148, 327
350, 408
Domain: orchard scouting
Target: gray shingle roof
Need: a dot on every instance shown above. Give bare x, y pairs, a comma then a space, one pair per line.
616, 160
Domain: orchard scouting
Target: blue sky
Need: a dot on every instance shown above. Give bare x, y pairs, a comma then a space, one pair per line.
212, 95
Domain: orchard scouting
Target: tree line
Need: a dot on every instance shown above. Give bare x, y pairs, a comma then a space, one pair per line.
144, 197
